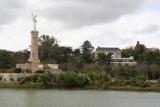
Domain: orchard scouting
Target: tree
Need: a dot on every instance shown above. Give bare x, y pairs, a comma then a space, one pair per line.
6, 59
87, 47
21, 56
87, 50
108, 58
76, 52
128, 52
153, 57
139, 52
51, 52
102, 58
46, 40
46, 44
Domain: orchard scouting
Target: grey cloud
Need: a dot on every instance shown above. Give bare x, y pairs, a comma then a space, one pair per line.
109, 39
10, 10
152, 28
89, 12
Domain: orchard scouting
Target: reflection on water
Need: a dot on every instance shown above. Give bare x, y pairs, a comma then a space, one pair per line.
76, 98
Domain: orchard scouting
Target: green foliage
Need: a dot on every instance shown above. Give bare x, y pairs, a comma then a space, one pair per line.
87, 50
139, 81
87, 47
6, 59
139, 52
27, 79
152, 57
21, 56
107, 77
76, 52
108, 58
128, 52
102, 58
120, 82
51, 52
46, 40
71, 79
87, 58
95, 75
44, 78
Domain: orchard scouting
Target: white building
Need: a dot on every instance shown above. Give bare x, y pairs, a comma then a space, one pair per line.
116, 58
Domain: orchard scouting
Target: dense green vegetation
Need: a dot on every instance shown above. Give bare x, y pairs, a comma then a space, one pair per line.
82, 70
90, 80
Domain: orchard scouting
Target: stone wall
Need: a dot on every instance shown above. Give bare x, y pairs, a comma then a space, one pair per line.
34, 67
30, 66
12, 77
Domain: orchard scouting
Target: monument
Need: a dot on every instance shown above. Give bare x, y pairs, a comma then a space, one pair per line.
33, 63
34, 43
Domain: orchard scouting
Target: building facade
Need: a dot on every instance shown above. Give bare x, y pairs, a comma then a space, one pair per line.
116, 58
116, 52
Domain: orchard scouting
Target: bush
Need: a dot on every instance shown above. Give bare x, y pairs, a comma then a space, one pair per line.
72, 80
120, 82
37, 78
26, 79
106, 77
81, 80
95, 75
139, 81
44, 78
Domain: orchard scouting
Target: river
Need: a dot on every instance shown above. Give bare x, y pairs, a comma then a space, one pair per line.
77, 98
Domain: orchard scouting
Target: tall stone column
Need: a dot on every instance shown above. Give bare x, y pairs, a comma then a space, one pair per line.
34, 47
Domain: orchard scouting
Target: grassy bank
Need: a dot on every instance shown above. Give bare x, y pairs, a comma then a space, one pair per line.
54, 86
26, 86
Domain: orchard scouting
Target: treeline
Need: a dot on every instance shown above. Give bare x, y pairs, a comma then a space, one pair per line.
79, 60
142, 54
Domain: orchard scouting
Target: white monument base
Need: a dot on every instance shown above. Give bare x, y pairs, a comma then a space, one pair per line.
37, 66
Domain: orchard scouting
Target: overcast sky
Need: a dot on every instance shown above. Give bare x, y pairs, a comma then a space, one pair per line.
106, 23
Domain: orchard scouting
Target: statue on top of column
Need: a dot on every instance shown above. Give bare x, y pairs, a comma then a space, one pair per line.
34, 20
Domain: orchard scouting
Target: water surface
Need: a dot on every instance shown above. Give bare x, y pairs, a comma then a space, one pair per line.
76, 98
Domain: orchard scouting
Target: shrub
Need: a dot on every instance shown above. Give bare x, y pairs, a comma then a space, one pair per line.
139, 81
81, 80
106, 77
120, 82
71, 80
44, 78
28, 79
95, 75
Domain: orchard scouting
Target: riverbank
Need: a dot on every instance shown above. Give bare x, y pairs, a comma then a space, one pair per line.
27, 86
54, 86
